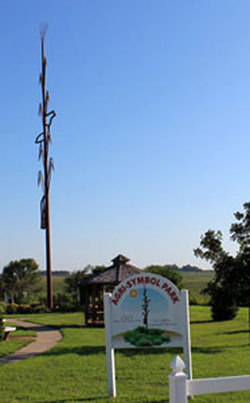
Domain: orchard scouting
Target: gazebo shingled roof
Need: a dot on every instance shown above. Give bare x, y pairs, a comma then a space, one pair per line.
119, 271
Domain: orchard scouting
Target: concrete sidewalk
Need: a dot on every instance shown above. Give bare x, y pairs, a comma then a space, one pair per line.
47, 337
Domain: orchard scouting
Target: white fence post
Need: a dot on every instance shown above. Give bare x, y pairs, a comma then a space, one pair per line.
187, 336
177, 382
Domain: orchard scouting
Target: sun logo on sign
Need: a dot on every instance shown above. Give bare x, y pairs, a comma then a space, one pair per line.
133, 293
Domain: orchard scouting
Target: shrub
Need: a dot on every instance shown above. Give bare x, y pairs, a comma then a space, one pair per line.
11, 308
64, 303
193, 299
2, 307
24, 308
223, 307
39, 308
143, 337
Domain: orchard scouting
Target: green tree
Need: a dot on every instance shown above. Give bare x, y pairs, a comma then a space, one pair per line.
240, 232
72, 283
166, 271
20, 279
99, 269
1, 289
220, 288
230, 286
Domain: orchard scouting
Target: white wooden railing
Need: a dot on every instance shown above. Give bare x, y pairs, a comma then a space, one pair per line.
180, 387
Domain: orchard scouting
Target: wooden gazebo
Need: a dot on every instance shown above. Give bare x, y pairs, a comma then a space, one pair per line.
93, 287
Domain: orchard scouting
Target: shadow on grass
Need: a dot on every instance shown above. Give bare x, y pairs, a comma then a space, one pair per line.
23, 329
236, 332
158, 401
201, 322
215, 350
85, 350
92, 350
207, 350
70, 326
89, 399
172, 351
55, 327
148, 351
41, 328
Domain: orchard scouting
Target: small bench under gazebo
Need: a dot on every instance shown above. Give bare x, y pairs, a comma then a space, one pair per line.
93, 287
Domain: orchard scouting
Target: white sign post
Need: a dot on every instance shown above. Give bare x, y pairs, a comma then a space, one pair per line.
146, 310
110, 352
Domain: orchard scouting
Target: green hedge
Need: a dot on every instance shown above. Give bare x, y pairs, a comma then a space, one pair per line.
25, 308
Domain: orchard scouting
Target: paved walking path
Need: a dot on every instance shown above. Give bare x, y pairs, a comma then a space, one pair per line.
46, 338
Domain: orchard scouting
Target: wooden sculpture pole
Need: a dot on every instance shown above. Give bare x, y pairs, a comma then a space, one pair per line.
44, 139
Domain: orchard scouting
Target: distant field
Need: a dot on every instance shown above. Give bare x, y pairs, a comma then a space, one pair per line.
57, 283
195, 282
192, 281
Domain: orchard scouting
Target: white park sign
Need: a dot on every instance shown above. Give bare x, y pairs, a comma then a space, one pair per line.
146, 310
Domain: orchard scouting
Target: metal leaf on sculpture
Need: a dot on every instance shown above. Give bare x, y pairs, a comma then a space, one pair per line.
51, 164
40, 138
40, 178
43, 213
40, 151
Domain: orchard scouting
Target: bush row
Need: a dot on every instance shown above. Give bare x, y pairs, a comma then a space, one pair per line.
62, 303
25, 308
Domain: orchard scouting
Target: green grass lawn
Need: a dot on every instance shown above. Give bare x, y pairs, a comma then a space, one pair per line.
13, 345
75, 369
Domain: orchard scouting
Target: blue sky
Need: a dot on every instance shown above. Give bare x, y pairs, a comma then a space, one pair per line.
158, 305
151, 139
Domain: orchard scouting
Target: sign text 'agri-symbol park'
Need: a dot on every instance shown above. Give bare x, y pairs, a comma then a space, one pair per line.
146, 311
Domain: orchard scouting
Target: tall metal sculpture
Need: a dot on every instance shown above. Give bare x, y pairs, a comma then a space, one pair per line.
44, 177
